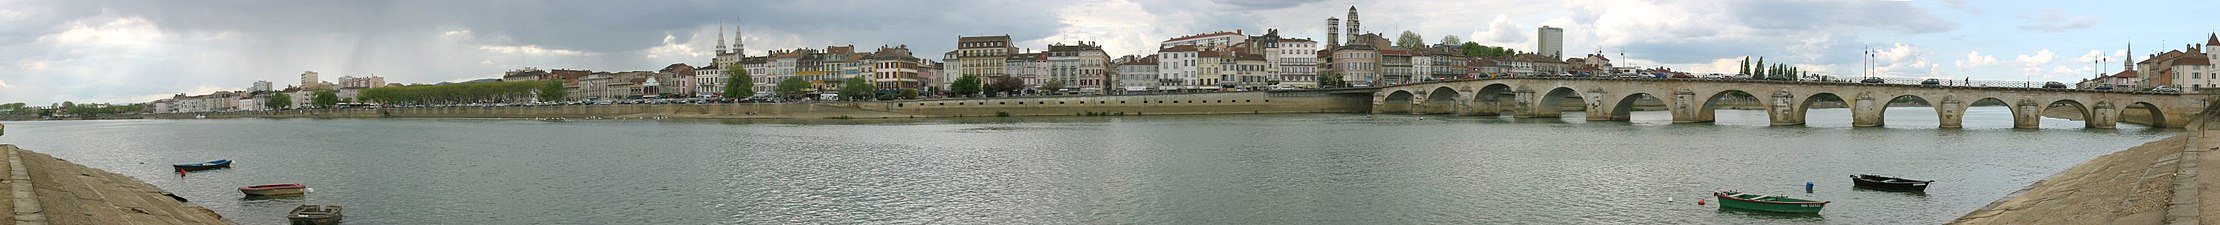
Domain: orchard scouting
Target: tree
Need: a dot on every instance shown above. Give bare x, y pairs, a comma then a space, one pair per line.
738, 83
553, 91
326, 99
1006, 85
1053, 86
1410, 40
907, 93
1760, 71
1451, 40
278, 101
857, 88
1330, 81
792, 87
965, 86
1745, 66
67, 104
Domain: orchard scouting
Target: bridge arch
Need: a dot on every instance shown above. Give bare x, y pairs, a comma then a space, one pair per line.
1395, 102
1822, 99
1488, 101
1711, 104
2156, 118
1552, 103
1991, 102
1622, 109
2080, 110
1441, 100
1880, 114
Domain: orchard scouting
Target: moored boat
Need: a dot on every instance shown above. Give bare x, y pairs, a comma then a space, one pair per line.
274, 189
1889, 183
315, 215
1747, 201
220, 163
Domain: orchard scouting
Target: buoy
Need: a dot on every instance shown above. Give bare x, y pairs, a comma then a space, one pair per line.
1700, 201
1807, 186
180, 173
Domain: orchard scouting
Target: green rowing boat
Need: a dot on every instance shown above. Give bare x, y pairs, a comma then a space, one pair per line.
1739, 200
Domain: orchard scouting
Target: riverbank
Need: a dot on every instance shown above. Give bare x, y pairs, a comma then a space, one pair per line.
2155, 183
68, 193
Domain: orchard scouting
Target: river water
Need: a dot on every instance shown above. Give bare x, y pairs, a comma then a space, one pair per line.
1234, 169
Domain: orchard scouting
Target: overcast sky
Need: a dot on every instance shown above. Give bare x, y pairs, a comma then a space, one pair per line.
136, 51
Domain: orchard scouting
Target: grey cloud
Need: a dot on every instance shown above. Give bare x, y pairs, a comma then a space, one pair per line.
1265, 4
1900, 17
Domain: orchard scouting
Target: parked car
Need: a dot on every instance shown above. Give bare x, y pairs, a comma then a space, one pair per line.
2102, 87
2054, 85
1930, 82
1872, 80
2166, 90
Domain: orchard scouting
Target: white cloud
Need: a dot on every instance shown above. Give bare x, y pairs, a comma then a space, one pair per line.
1502, 32
4, 85
2038, 59
2093, 56
1975, 59
673, 49
120, 32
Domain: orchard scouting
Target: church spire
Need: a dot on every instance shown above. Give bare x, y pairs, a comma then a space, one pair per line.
720, 39
2130, 63
739, 46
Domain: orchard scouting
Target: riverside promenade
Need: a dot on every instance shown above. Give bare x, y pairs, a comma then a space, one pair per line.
2155, 183
46, 190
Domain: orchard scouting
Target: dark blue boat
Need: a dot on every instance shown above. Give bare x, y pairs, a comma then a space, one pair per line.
220, 163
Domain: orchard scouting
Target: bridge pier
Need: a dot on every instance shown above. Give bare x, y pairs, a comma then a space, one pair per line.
2029, 114
1784, 110
1866, 112
1530, 106
2102, 116
1948, 112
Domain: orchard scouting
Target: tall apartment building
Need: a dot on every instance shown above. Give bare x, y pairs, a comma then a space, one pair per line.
1550, 41
1137, 73
1176, 68
981, 56
895, 69
1082, 67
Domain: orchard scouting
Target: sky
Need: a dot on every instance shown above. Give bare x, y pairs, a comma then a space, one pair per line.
128, 51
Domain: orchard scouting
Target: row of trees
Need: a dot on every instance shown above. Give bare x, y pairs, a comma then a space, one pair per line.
1770, 72
461, 92
1411, 40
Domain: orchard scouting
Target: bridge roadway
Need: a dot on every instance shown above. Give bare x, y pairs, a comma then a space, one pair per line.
1694, 100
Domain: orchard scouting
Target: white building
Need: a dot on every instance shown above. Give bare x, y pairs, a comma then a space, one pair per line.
260, 86
1207, 40
1298, 63
1550, 42
1176, 68
1137, 74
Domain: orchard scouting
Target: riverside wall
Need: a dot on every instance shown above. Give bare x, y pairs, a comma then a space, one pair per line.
1132, 105
2155, 183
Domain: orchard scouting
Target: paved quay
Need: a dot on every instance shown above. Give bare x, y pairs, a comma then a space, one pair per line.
68, 193
2155, 183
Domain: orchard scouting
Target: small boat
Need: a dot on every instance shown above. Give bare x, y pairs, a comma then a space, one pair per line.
220, 163
274, 189
315, 215
1739, 200
1889, 183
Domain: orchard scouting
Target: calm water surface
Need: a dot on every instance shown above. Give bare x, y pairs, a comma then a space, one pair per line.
1246, 169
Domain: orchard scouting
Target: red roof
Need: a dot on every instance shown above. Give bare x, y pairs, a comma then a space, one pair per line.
2202, 61
2125, 74
2213, 39
1182, 48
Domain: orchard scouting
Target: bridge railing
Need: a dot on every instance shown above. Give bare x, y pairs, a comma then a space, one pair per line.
1886, 81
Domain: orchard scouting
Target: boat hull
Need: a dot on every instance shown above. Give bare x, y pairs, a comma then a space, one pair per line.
272, 192
1780, 207
218, 164
315, 215
1888, 183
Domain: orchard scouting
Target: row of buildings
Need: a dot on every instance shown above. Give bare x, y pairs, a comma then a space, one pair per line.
2190, 68
252, 99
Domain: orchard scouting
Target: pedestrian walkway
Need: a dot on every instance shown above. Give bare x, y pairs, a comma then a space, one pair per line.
67, 193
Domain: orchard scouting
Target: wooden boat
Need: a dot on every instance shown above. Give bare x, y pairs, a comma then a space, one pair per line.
274, 189
1739, 200
1889, 183
220, 163
315, 215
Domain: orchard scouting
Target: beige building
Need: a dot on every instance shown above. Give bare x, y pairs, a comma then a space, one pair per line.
981, 56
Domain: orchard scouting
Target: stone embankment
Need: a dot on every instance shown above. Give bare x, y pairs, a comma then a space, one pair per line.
46, 190
2155, 183
2132, 114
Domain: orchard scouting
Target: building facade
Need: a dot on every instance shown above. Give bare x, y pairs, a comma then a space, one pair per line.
1550, 41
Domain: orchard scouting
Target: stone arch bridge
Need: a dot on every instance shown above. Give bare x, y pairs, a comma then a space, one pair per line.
1785, 102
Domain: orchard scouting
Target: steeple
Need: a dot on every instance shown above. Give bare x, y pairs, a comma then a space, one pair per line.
2130, 63
720, 39
1354, 29
2212, 39
739, 46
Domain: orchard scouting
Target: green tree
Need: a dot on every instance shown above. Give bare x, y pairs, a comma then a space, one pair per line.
278, 101
553, 91
1451, 40
1410, 40
1053, 86
967, 85
857, 88
738, 83
1330, 81
67, 104
907, 93
1760, 72
1745, 66
326, 99
1005, 86
792, 87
